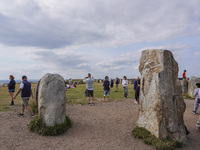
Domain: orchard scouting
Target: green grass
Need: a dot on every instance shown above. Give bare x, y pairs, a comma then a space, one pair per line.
39, 126
187, 97
77, 96
159, 144
5, 98
73, 96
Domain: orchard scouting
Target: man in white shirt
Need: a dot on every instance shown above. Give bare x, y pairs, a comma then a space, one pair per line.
26, 92
90, 91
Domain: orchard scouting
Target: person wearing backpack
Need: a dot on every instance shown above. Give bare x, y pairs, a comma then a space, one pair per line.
197, 98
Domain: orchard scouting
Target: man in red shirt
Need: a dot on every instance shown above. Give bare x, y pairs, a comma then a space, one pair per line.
184, 77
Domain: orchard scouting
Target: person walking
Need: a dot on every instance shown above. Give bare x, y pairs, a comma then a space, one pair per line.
26, 93
106, 85
11, 88
89, 85
197, 98
125, 86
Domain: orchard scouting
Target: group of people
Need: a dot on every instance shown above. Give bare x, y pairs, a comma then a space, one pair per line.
26, 93
108, 85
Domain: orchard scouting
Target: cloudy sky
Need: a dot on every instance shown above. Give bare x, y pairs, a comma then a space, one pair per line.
104, 37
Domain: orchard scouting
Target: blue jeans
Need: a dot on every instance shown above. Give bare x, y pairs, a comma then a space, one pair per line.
196, 105
125, 91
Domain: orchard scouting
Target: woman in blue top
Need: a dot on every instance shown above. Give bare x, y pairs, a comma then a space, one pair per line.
11, 88
135, 87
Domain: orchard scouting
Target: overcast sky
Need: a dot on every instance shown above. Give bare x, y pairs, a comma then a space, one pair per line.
103, 37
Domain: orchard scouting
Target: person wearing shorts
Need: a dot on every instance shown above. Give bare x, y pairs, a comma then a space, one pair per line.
89, 86
106, 85
11, 88
26, 92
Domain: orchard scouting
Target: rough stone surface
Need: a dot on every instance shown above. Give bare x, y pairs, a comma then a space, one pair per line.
184, 85
161, 101
192, 85
51, 98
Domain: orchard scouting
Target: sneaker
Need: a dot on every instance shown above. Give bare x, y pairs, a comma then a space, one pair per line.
12, 103
198, 127
136, 102
32, 116
89, 104
194, 112
92, 104
20, 115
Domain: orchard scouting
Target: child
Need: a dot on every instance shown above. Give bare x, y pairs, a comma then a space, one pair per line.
106, 85
197, 100
125, 86
137, 92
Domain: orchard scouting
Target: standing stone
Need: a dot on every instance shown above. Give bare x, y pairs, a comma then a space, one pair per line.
192, 85
184, 85
51, 99
161, 101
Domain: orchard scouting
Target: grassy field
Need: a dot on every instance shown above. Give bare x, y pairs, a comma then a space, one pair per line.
73, 95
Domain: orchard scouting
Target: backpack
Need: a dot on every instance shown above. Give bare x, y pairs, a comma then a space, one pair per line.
199, 96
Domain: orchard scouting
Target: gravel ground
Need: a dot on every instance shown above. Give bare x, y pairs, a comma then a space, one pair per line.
105, 126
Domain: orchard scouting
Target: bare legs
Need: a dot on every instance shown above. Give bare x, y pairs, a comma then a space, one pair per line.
11, 97
105, 98
89, 99
29, 109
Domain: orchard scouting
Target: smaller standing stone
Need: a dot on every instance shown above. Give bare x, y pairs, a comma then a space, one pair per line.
184, 85
51, 99
192, 85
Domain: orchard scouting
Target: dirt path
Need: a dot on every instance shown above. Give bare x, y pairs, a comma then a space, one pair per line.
105, 126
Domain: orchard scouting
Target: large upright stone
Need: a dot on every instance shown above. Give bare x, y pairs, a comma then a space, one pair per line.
192, 85
184, 84
161, 101
51, 99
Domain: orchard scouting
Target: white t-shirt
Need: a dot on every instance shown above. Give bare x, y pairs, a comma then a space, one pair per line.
124, 83
21, 85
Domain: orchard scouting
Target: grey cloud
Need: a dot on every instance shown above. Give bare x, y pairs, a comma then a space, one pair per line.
41, 24
64, 61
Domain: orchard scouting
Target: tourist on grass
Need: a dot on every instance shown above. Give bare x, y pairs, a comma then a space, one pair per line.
125, 86
135, 85
106, 85
89, 86
26, 92
117, 84
111, 84
137, 92
184, 76
11, 88
197, 98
